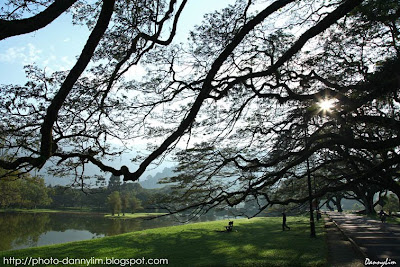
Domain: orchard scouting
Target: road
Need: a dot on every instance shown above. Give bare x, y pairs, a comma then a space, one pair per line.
378, 241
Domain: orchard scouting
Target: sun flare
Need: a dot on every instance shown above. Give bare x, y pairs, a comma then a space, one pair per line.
326, 105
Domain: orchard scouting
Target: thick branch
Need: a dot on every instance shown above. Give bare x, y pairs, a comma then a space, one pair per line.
206, 88
10, 28
84, 59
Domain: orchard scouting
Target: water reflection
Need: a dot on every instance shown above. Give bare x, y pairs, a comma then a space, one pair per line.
21, 230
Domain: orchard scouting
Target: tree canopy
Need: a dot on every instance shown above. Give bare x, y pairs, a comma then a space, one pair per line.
237, 104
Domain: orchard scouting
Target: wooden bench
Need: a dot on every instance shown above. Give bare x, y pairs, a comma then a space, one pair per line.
229, 227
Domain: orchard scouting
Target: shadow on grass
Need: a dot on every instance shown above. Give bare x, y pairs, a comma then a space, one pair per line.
258, 241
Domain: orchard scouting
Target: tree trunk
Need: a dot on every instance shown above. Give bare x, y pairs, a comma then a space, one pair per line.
329, 206
369, 205
338, 203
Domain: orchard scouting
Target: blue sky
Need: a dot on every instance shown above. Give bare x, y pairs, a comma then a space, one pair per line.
54, 47
57, 46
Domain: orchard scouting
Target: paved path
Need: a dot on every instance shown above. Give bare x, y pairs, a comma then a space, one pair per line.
341, 252
377, 241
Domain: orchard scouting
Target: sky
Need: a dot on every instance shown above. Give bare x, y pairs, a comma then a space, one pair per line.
57, 46
53, 47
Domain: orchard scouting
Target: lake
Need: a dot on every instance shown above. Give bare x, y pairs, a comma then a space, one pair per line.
22, 230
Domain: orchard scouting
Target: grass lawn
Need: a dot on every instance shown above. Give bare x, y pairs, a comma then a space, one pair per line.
133, 216
394, 220
255, 242
389, 219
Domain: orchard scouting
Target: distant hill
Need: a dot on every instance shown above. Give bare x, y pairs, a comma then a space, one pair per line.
151, 182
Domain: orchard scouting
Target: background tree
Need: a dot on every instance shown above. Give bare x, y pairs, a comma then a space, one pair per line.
125, 203
34, 193
134, 203
114, 201
23, 192
391, 204
114, 184
10, 192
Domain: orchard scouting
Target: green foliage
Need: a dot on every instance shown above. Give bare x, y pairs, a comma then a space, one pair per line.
124, 203
391, 204
114, 201
67, 197
23, 192
10, 192
134, 203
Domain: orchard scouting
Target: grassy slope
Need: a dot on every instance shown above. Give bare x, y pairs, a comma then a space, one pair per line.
258, 241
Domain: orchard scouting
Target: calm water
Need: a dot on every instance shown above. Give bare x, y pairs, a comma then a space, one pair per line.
22, 230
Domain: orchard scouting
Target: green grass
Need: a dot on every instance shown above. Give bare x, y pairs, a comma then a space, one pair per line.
133, 216
393, 219
389, 219
255, 242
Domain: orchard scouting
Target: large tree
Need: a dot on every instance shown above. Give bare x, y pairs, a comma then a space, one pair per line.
260, 116
70, 116
241, 95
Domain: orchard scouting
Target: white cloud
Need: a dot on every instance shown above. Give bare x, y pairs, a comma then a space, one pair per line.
33, 54
135, 72
65, 63
49, 60
25, 54
13, 54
